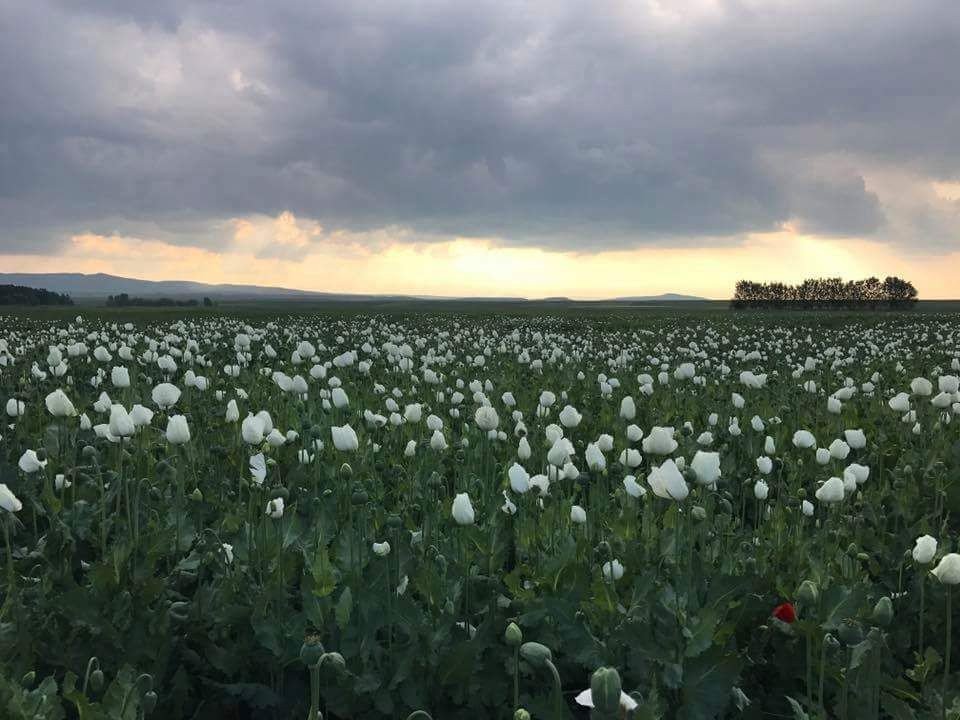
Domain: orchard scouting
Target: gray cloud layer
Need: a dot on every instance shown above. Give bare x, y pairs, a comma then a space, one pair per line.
561, 124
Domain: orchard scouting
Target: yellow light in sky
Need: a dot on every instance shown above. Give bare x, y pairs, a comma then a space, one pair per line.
289, 252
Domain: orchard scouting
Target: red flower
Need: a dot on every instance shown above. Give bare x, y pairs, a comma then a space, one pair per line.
785, 612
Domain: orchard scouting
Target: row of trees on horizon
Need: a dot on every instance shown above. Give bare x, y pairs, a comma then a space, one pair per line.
891, 293
22, 295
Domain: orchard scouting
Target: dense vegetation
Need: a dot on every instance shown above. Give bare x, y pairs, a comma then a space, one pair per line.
892, 293
21, 295
216, 517
125, 300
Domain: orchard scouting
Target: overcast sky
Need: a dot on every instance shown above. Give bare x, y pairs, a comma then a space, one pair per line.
516, 148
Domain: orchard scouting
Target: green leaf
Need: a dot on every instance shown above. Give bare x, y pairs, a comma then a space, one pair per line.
344, 608
707, 683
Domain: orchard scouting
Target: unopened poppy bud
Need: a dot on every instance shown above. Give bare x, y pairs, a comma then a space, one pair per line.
149, 702
831, 642
196, 495
335, 660
28, 679
513, 635
89, 452
346, 472
605, 688
808, 593
882, 612
699, 513
521, 714
536, 653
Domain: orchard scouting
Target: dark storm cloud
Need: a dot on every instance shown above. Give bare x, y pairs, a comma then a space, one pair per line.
558, 124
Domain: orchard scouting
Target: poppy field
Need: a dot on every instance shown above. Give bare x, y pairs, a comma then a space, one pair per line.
452, 516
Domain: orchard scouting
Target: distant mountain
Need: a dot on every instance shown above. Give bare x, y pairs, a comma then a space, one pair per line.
667, 297
79, 285
100, 285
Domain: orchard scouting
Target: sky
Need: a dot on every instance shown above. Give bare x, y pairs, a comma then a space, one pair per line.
513, 148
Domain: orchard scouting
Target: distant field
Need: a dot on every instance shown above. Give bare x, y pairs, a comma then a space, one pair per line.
260, 308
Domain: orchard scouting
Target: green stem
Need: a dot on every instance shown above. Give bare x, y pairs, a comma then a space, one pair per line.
946, 657
558, 690
314, 692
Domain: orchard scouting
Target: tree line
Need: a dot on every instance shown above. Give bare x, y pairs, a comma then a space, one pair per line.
891, 293
125, 300
21, 295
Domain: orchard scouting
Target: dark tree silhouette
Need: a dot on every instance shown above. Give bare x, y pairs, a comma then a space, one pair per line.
892, 293
20, 295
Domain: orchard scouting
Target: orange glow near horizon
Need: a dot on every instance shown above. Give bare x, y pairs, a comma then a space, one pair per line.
288, 252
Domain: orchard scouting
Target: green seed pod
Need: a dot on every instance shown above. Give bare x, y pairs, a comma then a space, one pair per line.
311, 651
605, 687
394, 521
280, 492
513, 635
808, 593
882, 612
359, 498
536, 654
850, 632
602, 550
89, 452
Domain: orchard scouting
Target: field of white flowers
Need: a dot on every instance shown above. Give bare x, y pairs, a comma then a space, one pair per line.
480, 516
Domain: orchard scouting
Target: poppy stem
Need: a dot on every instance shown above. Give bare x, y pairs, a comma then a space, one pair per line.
946, 657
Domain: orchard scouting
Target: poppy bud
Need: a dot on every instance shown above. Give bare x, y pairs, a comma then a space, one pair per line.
346, 472
89, 452
808, 593
605, 688
149, 702
536, 654
882, 612
521, 714
28, 679
336, 661
196, 495
513, 635
831, 642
